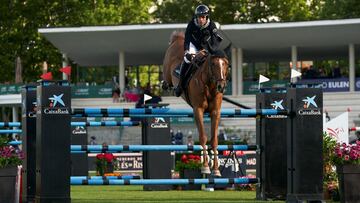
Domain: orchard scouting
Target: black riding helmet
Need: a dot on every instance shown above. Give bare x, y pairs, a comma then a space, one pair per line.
202, 10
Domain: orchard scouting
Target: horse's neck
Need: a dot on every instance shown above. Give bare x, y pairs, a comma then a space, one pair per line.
205, 71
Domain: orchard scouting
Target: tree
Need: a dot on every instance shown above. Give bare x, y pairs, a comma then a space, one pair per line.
339, 9
20, 20
237, 11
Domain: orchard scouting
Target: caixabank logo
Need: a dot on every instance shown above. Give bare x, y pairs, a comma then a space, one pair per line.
159, 122
277, 105
56, 105
79, 130
309, 107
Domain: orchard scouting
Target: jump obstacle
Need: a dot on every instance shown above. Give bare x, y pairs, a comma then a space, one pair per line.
80, 124
164, 181
167, 112
137, 148
57, 145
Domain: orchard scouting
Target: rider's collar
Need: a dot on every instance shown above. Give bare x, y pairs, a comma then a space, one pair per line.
202, 27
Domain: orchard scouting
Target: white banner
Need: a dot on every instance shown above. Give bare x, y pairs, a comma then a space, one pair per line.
338, 128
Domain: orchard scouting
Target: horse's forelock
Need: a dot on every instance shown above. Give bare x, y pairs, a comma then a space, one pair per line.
176, 35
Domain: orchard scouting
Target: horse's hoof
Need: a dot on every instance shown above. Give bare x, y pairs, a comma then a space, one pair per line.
205, 170
164, 85
216, 173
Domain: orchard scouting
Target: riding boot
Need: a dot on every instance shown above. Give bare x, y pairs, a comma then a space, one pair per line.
183, 70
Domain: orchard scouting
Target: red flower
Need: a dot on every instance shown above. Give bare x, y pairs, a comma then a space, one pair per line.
100, 156
109, 157
184, 158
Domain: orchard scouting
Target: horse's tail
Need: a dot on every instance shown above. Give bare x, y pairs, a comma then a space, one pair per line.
176, 35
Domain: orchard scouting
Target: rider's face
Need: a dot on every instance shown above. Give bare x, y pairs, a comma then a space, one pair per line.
201, 20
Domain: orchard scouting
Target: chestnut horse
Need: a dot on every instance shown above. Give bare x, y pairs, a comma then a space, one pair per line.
205, 92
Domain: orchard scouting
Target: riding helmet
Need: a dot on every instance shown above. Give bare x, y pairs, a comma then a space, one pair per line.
202, 10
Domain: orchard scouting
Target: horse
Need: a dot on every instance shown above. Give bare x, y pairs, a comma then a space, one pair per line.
204, 92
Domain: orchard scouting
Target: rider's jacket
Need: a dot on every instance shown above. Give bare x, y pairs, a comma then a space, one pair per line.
205, 37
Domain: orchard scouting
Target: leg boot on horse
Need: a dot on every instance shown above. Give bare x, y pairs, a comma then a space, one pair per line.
183, 69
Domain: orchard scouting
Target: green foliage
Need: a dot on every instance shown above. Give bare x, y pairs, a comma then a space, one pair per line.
329, 144
238, 11
114, 12
339, 9
20, 21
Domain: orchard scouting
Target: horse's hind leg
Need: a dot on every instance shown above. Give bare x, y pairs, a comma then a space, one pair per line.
199, 118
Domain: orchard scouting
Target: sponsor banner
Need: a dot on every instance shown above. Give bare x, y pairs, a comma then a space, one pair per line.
99, 91
243, 161
251, 87
309, 106
331, 84
79, 130
56, 105
130, 161
10, 89
328, 84
357, 84
159, 122
184, 120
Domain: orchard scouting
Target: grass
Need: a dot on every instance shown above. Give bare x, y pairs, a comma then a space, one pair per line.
135, 194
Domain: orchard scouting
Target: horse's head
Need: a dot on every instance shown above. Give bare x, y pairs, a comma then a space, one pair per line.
218, 69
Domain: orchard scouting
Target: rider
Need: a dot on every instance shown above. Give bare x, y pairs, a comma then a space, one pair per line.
201, 33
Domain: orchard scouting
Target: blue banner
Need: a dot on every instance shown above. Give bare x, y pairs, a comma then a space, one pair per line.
331, 84
357, 84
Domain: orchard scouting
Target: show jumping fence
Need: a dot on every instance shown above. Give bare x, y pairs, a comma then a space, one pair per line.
301, 117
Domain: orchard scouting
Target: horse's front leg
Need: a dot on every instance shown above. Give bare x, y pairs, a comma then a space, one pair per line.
199, 119
215, 114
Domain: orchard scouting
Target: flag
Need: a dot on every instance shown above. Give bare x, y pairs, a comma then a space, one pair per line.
263, 79
47, 76
295, 73
338, 128
146, 97
66, 70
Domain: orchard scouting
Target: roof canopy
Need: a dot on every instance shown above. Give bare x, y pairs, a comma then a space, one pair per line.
146, 44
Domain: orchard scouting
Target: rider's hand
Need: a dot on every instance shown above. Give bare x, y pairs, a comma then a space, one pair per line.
188, 56
204, 51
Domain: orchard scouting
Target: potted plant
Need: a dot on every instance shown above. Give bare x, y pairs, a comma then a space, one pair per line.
105, 163
189, 166
346, 158
10, 158
331, 186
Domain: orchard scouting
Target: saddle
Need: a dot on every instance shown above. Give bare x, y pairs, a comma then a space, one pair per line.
196, 63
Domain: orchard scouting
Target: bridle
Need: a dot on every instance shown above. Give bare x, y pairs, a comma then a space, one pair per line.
213, 79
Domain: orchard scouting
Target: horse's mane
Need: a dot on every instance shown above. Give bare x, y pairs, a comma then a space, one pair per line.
176, 35
219, 53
